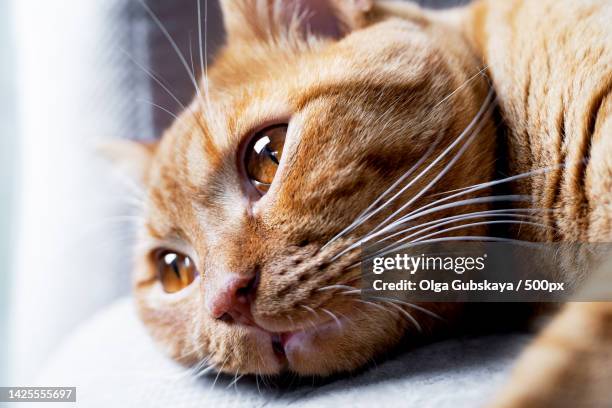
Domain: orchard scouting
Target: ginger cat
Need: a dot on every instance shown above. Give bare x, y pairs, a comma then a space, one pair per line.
311, 112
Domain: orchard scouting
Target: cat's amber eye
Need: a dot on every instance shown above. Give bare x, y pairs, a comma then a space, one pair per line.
263, 156
175, 270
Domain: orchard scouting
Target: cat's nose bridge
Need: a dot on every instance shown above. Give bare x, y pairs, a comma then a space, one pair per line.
231, 299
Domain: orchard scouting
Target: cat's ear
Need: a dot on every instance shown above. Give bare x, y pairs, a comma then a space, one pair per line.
132, 158
266, 19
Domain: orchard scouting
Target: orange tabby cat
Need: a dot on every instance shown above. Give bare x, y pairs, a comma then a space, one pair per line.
314, 109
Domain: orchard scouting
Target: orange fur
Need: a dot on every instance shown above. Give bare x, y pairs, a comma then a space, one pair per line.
366, 92
360, 116
551, 65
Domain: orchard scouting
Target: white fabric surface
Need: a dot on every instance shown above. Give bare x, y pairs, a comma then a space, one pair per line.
114, 363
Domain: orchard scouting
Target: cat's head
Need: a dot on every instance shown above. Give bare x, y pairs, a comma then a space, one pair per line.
311, 111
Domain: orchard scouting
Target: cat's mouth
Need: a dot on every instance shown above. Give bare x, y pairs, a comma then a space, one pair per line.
290, 347
278, 344
297, 342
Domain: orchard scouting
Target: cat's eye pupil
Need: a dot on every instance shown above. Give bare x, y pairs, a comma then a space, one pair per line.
263, 156
175, 270
262, 147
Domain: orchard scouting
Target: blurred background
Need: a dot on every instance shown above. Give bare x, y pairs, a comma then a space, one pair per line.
73, 74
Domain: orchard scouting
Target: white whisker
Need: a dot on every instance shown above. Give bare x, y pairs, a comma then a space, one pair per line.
375, 305
173, 44
468, 131
172, 114
403, 220
310, 309
330, 287
461, 203
470, 79
411, 305
368, 213
204, 50
154, 77
472, 130
481, 186
351, 292
476, 224
462, 217
406, 314
235, 381
219, 371
333, 316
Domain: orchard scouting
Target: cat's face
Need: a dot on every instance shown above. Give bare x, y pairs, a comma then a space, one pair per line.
289, 142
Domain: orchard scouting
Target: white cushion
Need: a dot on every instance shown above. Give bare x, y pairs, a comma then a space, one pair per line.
114, 363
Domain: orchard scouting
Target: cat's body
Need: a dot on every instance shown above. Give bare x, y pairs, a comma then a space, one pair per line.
387, 85
551, 65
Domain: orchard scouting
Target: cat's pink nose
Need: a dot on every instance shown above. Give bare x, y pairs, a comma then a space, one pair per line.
232, 302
